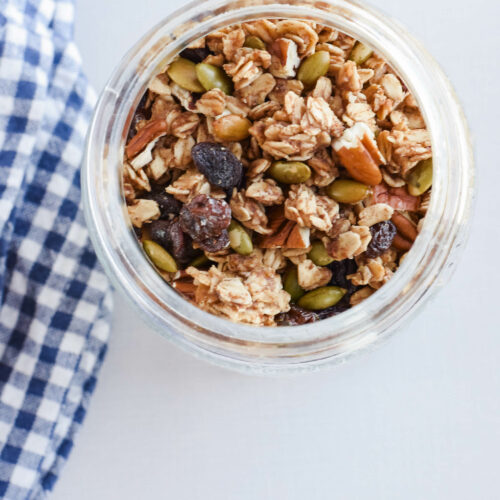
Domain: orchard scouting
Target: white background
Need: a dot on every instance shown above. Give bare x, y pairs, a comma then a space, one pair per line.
419, 419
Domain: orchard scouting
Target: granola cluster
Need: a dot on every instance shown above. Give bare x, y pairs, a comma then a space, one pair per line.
277, 172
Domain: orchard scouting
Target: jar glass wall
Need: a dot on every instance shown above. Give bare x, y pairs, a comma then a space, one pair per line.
279, 349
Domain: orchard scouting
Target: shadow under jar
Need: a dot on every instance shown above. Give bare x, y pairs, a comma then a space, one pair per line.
285, 348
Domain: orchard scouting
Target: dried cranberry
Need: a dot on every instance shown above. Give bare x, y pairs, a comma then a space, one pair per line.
340, 270
169, 235
383, 234
215, 244
205, 218
167, 203
297, 316
339, 307
218, 165
195, 55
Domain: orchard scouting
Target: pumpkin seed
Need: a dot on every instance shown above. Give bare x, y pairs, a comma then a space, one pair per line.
213, 77
360, 53
232, 128
322, 298
290, 172
420, 178
319, 255
291, 284
200, 261
159, 256
239, 239
347, 191
254, 42
313, 67
183, 73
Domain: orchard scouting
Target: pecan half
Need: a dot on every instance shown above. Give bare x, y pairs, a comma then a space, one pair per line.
359, 154
146, 134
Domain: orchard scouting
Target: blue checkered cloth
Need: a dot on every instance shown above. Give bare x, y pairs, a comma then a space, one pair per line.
54, 298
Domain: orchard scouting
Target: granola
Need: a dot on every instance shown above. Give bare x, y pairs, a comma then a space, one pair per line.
284, 178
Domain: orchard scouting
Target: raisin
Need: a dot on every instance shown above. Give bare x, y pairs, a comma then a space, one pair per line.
297, 316
339, 307
218, 165
215, 244
166, 202
205, 218
141, 113
138, 232
383, 234
169, 235
340, 269
195, 55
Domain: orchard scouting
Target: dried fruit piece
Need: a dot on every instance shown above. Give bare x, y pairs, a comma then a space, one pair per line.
313, 67
254, 42
340, 270
319, 255
205, 217
160, 257
166, 202
341, 306
322, 298
232, 128
359, 154
420, 178
169, 234
296, 316
183, 73
291, 284
360, 53
217, 164
215, 244
213, 77
383, 235
239, 239
290, 172
347, 191
195, 55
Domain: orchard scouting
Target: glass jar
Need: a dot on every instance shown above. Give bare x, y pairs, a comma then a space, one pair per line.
282, 349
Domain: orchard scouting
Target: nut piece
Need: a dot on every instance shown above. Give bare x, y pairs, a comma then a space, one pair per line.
359, 154
284, 58
300, 237
279, 238
405, 227
147, 134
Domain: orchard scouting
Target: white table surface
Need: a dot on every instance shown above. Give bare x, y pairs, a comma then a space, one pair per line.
419, 419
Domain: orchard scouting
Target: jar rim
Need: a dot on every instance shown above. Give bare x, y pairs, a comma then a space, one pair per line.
427, 264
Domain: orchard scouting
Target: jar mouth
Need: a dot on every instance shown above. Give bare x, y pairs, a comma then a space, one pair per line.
426, 266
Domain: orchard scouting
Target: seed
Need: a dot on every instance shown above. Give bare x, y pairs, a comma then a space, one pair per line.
291, 284
254, 42
420, 178
183, 73
360, 53
319, 255
232, 128
213, 77
313, 67
322, 298
200, 261
347, 191
290, 172
239, 239
160, 257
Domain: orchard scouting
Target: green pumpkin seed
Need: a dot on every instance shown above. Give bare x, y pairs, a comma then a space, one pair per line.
322, 298
213, 77
291, 284
239, 239
420, 178
254, 42
347, 191
290, 172
183, 73
232, 128
160, 257
200, 261
360, 53
319, 255
313, 67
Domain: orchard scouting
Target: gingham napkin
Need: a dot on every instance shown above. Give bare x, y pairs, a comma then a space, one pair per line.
54, 300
